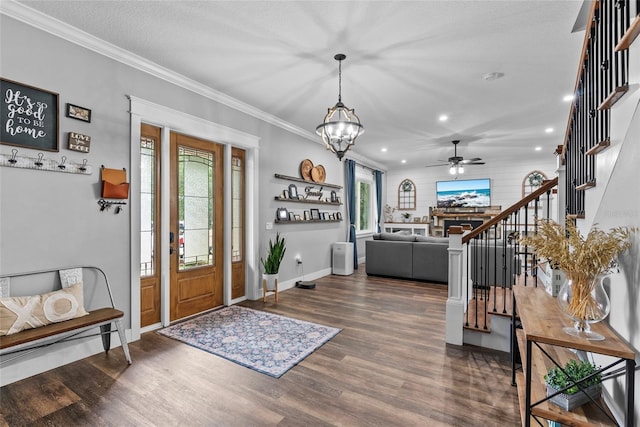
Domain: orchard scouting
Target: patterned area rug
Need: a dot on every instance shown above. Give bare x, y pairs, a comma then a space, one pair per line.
265, 342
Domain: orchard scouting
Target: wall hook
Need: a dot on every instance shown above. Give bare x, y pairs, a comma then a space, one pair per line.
84, 165
61, 165
13, 159
39, 161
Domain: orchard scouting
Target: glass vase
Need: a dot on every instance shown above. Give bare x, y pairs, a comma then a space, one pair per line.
585, 301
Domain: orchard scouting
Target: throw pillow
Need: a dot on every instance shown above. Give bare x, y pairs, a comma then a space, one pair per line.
20, 313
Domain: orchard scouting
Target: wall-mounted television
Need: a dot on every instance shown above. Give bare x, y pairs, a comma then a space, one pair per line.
464, 193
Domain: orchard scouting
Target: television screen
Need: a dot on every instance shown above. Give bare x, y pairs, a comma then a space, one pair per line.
466, 193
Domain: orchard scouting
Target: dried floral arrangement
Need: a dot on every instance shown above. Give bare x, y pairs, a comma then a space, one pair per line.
582, 259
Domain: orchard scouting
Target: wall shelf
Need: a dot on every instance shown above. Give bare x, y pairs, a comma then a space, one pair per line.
307, 221
309, 201
296, 179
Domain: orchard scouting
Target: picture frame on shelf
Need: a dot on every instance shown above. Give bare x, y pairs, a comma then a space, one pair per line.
417, 220
325, 216
315, 214
307, 215
334, 197
332, 217
293, 191
297, 217
282, 214
285, 194
292, 216
425, 219
339, 216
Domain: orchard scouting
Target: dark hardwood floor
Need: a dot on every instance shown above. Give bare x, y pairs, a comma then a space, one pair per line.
389, 366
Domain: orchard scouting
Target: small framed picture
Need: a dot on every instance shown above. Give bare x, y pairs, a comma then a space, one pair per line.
315, 214
425, 219
338, 199
416, 219
282, 214
293, 191
332, 217
307, 215
292, 217
325, 216
334, 197
297, 218
79, 113
285, 194
79, 142
339, 216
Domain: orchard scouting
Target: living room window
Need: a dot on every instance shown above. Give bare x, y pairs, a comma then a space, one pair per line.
365, 202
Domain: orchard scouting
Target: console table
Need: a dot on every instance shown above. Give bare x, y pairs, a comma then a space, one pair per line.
543, 344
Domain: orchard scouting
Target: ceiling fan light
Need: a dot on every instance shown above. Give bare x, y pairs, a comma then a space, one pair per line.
452, 170
460, 169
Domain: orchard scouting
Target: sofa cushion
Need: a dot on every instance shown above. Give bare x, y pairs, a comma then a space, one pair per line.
432, 239
431, 261
398, 237
389, 258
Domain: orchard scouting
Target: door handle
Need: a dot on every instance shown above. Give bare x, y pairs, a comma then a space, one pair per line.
171, 250
171, 238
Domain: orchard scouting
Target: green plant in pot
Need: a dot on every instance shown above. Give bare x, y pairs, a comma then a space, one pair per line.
557, 379
271, 264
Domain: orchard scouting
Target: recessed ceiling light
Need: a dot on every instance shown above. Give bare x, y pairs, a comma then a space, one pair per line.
568, 98
548, 130
493, 76
383, 149
443, 118
538, 148
403, 161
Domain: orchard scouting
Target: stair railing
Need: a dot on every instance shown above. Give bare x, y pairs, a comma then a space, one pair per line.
486, 262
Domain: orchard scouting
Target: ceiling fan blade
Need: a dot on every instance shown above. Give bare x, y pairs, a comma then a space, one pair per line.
474, 163
439, 164
467, 161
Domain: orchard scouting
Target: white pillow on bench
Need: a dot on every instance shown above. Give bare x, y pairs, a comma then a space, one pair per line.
20, 313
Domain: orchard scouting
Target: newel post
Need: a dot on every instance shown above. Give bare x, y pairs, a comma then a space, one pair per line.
455, 304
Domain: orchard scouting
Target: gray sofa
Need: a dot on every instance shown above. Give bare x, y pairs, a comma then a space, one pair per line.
426, 258
408, 257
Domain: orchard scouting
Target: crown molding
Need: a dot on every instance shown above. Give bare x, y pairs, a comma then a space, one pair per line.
74, 35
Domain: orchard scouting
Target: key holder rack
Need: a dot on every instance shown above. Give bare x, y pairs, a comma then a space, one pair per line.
40, 163
105, 205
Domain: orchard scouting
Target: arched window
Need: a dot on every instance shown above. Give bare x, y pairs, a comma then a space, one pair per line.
407, 195
532, 181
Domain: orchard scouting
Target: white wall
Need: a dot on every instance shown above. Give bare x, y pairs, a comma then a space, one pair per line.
615, 202
506, 181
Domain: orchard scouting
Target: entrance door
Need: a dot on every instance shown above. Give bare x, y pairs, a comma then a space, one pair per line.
196, 218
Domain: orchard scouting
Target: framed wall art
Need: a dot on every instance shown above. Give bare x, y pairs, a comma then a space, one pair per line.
79, 113
29, 116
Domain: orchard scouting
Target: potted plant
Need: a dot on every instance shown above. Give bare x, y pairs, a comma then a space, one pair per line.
406, 216
558, 379
275, 254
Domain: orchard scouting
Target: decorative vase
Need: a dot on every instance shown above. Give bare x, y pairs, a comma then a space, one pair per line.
585, 301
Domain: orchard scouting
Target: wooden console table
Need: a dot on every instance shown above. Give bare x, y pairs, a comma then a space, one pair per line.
542, 323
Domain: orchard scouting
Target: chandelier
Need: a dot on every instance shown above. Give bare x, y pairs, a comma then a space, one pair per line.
341, 125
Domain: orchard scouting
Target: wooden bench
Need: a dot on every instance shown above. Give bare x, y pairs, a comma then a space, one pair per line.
29, 340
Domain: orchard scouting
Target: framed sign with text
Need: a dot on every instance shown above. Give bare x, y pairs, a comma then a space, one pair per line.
29, 116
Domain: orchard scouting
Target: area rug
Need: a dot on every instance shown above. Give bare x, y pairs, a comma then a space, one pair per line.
265, 342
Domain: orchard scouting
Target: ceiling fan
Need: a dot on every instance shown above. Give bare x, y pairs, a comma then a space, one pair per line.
456, 163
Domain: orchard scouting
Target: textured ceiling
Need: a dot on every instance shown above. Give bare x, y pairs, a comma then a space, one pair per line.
407, 63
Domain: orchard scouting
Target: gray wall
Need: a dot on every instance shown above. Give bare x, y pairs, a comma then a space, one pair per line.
52, 219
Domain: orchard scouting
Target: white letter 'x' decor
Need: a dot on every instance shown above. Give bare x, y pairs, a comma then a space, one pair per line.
24, 314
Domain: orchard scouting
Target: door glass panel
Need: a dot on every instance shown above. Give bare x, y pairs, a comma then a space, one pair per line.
236, 209
195, 208
147, 206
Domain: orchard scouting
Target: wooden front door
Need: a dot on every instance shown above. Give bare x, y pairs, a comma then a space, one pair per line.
196, 221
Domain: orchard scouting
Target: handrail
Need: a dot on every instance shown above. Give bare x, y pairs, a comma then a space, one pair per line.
545, 187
